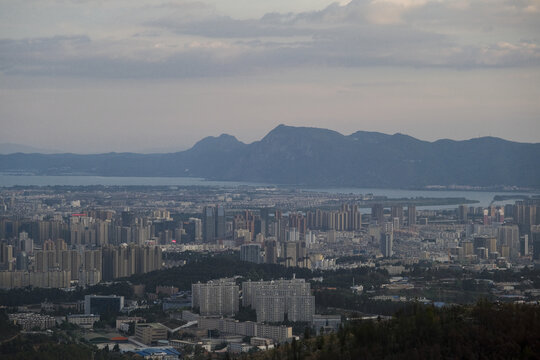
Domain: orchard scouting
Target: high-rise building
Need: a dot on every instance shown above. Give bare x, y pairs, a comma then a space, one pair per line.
396, 223
209, 224
463, 212
377, 213
270, 251
468, 248
128, 218
198, 229
535, 234
411, 215
218, 297
220, 222
102, 233
251, 253
397, 212
275, 301
499, 215
486, 217
6, 256
265, 217
524, 245
25, 243
260, 226
509, 236
126, 260
294, 254
387, 242
22, 261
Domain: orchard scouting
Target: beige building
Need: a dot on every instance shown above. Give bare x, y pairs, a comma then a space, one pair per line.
150, 333
48, 279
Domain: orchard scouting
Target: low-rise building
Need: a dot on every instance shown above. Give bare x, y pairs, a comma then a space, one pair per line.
101, 304
150, 333
160, 353
237, 348
166, 290
279, 333
326, 323
29, 321
122, 323
259, 341
83, 320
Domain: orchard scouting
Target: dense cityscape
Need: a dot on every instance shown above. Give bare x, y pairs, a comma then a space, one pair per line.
169, 272
270, 180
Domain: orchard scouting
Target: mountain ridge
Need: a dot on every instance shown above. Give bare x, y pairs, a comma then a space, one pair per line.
314, 156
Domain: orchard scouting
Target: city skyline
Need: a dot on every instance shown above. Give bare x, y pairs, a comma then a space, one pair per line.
206, 270
146, 75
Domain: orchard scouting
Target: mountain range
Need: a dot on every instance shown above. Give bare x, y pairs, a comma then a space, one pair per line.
313, 156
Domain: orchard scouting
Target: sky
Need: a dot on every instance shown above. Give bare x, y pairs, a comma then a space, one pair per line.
92, 76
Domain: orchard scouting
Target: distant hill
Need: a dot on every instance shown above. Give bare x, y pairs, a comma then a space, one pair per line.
312, 156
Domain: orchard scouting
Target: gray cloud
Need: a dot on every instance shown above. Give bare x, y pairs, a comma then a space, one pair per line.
355, 35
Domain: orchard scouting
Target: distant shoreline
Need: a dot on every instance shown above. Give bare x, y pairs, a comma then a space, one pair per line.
210, 182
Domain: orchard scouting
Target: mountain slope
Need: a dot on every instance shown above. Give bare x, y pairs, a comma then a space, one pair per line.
312, 156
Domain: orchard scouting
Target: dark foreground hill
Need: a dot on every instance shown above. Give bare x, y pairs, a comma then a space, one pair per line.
312, 156
484, 331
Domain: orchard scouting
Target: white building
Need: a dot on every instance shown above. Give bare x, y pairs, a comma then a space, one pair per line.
275, 300
82, 320
218, 297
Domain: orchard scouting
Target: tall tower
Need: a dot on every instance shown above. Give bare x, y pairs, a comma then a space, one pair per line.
535, 234
397, 212
264, 220
387, 243
209, 224
220, 222
463, 212
377, 213
411, 215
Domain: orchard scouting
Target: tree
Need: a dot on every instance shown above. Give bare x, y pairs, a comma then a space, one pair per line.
307, 333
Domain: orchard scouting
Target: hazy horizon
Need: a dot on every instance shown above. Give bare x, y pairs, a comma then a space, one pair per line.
30, 149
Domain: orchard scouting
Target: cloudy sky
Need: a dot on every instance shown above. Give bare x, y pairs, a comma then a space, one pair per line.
135, 75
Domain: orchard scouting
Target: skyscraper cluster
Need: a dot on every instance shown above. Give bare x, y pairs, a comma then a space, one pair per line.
56, 266
348, 218
213, 222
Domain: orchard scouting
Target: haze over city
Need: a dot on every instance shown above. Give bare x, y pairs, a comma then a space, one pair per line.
256, 180
157, 76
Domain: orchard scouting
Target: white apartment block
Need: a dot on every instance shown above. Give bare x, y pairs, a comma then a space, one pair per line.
218, 297
273, 299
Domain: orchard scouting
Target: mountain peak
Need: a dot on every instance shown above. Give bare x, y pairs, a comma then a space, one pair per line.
285, 132
223, 142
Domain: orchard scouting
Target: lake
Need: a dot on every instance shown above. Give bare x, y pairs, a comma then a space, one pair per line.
484, 198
